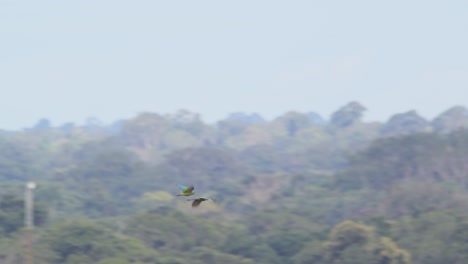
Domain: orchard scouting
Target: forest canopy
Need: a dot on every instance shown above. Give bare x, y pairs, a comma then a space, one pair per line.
296, 189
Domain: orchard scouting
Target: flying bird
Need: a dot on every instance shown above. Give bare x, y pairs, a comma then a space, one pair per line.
186, 191
196, 202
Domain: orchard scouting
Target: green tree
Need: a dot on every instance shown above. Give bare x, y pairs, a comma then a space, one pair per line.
106, 177
17, 160
387, 252
347, 115
345, 235
145, 131
113, 261
451, 120
313, 252
354, 243
211, 256
83, 241
406, 123
292, 122
287, 244
167, 229
12, 213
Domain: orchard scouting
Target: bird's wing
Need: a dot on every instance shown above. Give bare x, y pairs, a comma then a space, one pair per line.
189, 189
196, 202
205, 198
182, 187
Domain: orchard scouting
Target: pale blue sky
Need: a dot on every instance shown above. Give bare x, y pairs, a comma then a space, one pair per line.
68, 60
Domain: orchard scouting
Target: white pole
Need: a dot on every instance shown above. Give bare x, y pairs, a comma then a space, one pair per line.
29, 220
29, 205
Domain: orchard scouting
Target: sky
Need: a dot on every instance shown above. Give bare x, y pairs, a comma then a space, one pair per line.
112, 59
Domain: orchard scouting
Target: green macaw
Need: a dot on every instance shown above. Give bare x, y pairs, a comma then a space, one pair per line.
196, 202
186, 191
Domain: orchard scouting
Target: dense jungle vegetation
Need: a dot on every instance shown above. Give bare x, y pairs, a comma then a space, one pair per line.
298, 189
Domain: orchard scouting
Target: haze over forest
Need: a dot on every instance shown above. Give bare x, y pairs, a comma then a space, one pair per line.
297, 189
323, 132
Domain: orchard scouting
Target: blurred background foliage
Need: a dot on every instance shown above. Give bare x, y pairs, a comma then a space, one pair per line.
296, 189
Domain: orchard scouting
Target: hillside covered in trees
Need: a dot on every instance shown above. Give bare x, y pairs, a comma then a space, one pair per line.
298, 189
